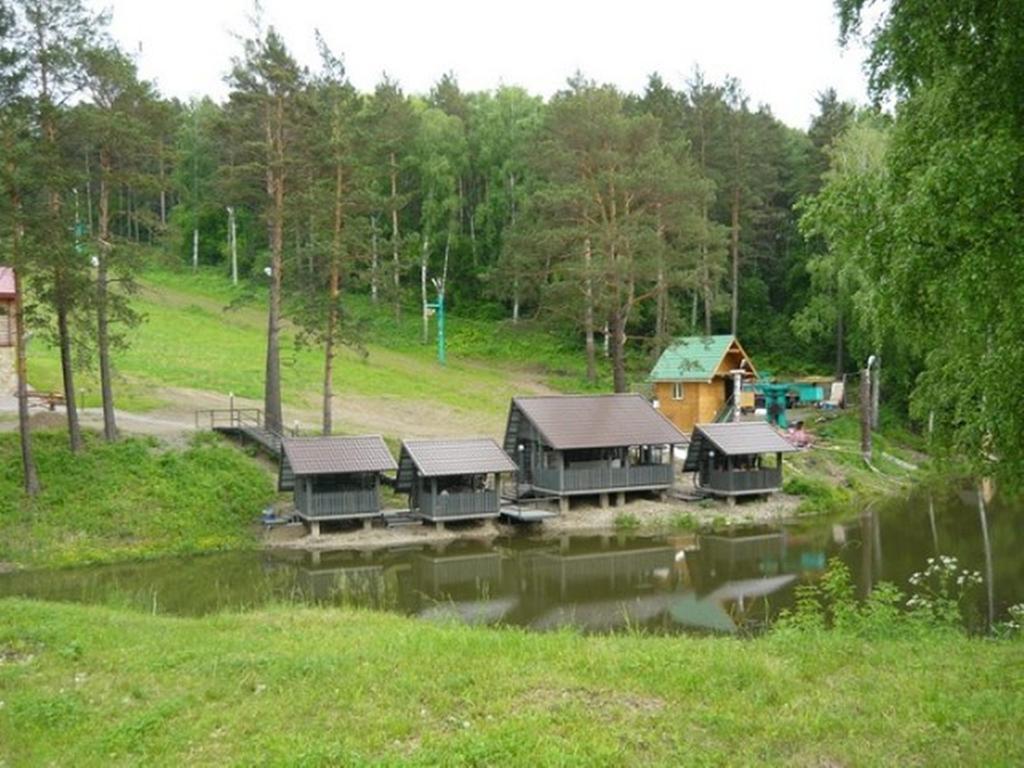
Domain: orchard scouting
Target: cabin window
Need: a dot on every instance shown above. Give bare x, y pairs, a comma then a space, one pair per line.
677, 390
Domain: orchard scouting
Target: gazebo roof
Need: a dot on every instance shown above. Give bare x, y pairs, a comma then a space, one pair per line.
566, 422
735, 439
336, 455
436, 458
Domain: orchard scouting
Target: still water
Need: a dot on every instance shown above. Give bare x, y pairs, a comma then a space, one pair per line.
724, 582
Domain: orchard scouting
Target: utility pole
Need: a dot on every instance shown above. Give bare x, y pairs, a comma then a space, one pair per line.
876, 383
866, 417
438, 306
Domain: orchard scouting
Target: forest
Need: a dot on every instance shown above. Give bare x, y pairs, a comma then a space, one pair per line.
618, 220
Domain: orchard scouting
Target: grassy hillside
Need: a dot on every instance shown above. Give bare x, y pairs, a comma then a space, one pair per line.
128, 499
97, 686
201, 333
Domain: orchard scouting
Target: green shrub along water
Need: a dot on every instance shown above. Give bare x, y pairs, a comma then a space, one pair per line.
132, 498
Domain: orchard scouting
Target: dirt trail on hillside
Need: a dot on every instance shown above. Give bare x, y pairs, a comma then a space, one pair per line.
389, 416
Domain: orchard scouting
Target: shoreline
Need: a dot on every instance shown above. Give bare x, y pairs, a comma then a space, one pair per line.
638, 516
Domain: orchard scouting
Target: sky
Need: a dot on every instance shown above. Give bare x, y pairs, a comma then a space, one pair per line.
784, 52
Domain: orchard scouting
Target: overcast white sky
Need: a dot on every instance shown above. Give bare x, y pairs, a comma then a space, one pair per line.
783, 51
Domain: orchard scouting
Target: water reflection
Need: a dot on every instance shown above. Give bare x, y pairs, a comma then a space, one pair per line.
723, 582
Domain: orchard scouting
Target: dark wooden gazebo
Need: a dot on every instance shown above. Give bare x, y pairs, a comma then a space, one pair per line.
334, 478
732, 459
450, 480
572, 445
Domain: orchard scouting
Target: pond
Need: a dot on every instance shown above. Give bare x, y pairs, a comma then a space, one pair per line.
723, 582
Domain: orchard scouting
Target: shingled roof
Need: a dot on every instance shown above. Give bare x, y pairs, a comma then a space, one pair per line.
735, 439
435, 458
6, 283
566, 422
336, 455
695, 358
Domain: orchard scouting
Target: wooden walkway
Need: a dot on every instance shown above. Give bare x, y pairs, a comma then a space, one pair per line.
242, 424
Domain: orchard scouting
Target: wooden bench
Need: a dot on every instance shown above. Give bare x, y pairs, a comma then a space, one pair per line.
50, 399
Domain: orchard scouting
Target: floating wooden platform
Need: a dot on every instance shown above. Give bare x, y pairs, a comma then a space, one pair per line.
525, 513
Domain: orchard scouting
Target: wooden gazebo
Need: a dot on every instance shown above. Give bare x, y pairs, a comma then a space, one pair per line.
450, 480
334, 478
737, 458
572, 445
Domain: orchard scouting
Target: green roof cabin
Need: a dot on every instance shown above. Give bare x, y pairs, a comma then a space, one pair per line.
692, 382
334, 478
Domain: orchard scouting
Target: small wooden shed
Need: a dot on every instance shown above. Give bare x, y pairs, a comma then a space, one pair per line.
571, 445
737, 458
692, 379
450, 480
334, 478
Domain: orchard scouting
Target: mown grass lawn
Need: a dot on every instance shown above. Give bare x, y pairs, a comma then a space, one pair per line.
98, 686
199, 332
132, 498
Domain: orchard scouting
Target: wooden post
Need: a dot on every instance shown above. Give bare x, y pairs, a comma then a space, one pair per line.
865, 414
620, 500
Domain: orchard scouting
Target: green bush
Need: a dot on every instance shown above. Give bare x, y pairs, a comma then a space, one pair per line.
132, 498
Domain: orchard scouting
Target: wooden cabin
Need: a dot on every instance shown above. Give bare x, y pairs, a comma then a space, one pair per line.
737, 458
574, 445
334, 478
8, 338
449, 480
693, 381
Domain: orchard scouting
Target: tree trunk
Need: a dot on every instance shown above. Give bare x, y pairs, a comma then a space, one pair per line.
66, 366
332, 324
423, 288
661, 293
396, 265
233, 243
588, 312
706, 271
102, 320
840, 342
273, 418
334, 291
617, 331
374, 260
735, 247
163, 184
30, 475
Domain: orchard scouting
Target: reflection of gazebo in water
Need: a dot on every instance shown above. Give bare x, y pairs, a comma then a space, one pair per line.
455, 567
348, 575
600, 570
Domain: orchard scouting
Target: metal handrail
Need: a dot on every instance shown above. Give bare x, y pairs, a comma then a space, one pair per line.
229, 417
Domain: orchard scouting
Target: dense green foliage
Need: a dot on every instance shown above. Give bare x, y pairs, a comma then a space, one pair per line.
128, 499
937, 230
319, 687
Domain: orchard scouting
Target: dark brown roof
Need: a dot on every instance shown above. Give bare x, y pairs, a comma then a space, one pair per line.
6, 283
435, 458
735, 439
457, 457
336, 455
597, 421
